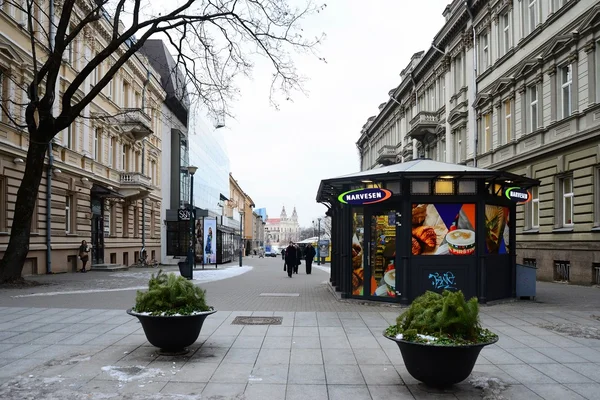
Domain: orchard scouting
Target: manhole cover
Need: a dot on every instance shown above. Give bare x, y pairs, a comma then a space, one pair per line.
257, 321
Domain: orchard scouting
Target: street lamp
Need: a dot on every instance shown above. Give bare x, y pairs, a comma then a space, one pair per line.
241, 235
318, 243
192, 250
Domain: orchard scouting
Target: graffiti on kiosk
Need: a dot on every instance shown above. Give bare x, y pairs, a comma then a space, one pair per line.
446, 281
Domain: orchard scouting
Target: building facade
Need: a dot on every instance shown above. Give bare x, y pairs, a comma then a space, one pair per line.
280, 231
174, 118
240, 205
512, 85
105, 169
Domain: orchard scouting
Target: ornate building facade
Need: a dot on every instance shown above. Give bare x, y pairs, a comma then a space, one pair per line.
103, 177
513, 85
280, 231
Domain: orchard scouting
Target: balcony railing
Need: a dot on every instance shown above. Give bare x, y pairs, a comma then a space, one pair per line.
136, 122
386, 155
135, 178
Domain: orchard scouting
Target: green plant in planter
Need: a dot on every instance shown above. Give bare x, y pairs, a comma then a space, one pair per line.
441, 319
170, 294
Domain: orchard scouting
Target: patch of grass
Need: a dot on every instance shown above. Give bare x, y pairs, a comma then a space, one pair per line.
447, 317
170, 294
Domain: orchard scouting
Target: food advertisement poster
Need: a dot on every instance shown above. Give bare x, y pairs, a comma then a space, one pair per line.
210, 241
496, 229
443, 229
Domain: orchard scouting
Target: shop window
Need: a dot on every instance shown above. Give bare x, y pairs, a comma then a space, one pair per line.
358, 243
467, 187
562, 271
420, 187
535, 207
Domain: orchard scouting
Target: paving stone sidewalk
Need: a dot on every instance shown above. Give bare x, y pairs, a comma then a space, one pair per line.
103, 354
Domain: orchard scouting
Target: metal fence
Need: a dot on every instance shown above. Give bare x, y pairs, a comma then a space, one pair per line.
596, 274
562, 270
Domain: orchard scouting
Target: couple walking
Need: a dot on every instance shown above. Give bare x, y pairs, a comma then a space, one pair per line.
292, 258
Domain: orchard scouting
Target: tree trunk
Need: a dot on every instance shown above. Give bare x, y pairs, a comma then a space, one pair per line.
12, 263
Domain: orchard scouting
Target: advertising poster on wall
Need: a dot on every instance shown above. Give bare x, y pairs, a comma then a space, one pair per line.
199, 239
210, 241
496, 229
358, 241
443, 229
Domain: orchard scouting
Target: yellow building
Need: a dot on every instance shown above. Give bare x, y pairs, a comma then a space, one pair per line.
241, 203
105, 175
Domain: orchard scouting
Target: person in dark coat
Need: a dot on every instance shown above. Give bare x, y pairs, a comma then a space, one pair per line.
290, 259
298, 258
309, 255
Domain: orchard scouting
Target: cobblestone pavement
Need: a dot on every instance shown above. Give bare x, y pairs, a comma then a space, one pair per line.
84, 346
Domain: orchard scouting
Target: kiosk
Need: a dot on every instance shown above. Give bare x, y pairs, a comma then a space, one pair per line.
400, 230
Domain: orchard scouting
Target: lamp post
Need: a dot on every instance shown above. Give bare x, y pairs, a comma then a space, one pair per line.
318, 243
241, 235
192, 250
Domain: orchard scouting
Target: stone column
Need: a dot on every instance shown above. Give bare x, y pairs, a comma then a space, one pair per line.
574, 60
499, 133
524, 104
590, 49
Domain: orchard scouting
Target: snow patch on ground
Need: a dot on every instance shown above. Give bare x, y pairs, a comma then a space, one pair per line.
219, 274
128, 374
580, 331
323, 268
492, 388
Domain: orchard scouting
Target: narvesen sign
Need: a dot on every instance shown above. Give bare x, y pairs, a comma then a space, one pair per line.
359, 197
518, 195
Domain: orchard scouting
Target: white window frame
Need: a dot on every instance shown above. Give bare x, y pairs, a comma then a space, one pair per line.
533, 108
485, 51
535, 207
96, 144
111, 149
506, 32
564, 195
566, 85
508, 131
68, 213
533, 15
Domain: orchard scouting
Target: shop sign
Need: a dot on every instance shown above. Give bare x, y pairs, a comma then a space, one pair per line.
184, 214
518, 195
360, 197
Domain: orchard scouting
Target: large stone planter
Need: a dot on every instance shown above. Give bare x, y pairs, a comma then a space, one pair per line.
439, 365
172, 333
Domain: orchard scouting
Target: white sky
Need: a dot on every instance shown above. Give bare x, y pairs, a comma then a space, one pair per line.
280, 157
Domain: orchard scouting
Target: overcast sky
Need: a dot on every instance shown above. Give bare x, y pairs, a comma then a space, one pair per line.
280, 157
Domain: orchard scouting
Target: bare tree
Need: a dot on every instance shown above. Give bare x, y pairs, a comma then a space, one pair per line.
214, 41
306, 233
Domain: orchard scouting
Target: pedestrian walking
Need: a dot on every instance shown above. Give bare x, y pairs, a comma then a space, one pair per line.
84, 249
290, 259
309, 255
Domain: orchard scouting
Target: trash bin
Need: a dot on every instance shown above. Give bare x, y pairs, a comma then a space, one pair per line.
185, 269
526, 278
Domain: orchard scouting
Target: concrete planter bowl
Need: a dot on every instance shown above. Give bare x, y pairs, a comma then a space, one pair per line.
172, 333
439, 365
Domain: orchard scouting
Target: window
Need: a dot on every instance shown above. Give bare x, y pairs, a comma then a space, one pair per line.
111, 149
507, 121
3, 94
487, 132
70, 136
535, 207
69, 213
566, 81
459, 156
124, 158
485, 51
565, 186
533, 108
125, 95
558, 4
3, 203
458, 73
505, 35
533, 15
109, 89
94, 74
96, 144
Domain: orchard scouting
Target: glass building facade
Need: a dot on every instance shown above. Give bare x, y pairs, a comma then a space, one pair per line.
208, 152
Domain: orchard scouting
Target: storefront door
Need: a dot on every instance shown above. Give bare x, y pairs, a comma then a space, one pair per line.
374, 252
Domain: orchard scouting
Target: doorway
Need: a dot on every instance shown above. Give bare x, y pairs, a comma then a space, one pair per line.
97, 231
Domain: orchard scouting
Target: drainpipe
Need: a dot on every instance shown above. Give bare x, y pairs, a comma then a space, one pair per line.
50, 167
475, 139
143, 164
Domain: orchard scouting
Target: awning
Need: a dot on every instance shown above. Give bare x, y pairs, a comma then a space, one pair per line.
104, 192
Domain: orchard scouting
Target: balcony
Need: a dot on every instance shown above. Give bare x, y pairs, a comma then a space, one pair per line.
135, 122
423, 124
135, 186
407, 151
386, 155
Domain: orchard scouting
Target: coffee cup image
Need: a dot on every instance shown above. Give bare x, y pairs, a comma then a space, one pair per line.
390, 282
461, 242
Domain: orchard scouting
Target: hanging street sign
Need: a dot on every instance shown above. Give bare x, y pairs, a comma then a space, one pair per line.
360, 197
518, 195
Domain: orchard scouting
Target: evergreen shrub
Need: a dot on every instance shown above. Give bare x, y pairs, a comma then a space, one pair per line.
441, 319
170, 294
